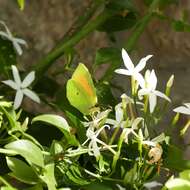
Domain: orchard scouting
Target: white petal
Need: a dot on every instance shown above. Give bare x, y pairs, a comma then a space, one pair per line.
142, 63
16, 75
111, 122
28, 79
143, 92
182, 109
139, 78
4, 35
11, 83
162, 95
6, 28
152, 184
127, 61
17, 48
20, 41
118, 113
136, 122
152, 101
31, 95
152, 82
123, 72
187, 105
18, 99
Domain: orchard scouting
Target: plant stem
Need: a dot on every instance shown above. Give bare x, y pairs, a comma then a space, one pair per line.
140, 26
71, 41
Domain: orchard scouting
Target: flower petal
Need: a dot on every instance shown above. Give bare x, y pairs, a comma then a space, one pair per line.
31, 95
6, 28
143, 92
142, 63
17, 47
136, 122
182, 109
152, 81
118, 113
16, 75
20, 41
139, 78
127, 61
152, 101
18, 99
11, 83
162, 95
123, 72
28, 79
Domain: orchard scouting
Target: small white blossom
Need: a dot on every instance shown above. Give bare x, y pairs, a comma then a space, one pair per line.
183, 109
17, 42
118, 117
151, 185
92, 136
134, 125
148, 88
131, 70
22, 87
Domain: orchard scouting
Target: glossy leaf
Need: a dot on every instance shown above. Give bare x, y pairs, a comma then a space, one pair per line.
81, 92
28, 150
21, 171
58, 122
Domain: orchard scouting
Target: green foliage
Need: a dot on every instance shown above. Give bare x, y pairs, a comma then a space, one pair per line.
101, 143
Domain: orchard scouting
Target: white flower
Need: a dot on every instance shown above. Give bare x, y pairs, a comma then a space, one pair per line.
152, 185
131, 69
134, 126
118, 117
148, 87
92, 136
22, 87
183, 109
17, 42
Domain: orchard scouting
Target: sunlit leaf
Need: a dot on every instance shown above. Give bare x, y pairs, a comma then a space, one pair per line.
28, 150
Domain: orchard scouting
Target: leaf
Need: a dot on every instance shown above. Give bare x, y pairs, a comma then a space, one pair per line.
28, 150
54, 120
21, 4
21, 171
81, 92
58, 122
185, 174
178, 163
7, 56
49, 177
118, 23
107, 55
178, 184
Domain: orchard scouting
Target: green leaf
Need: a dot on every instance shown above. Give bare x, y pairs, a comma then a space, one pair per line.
185, 174
49, 177
28, 150
58, 122
178, 163
21, 4
7, 56
81, 92
54, 120
21, 171
178, 184
36, 187
118, 23
107, 55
